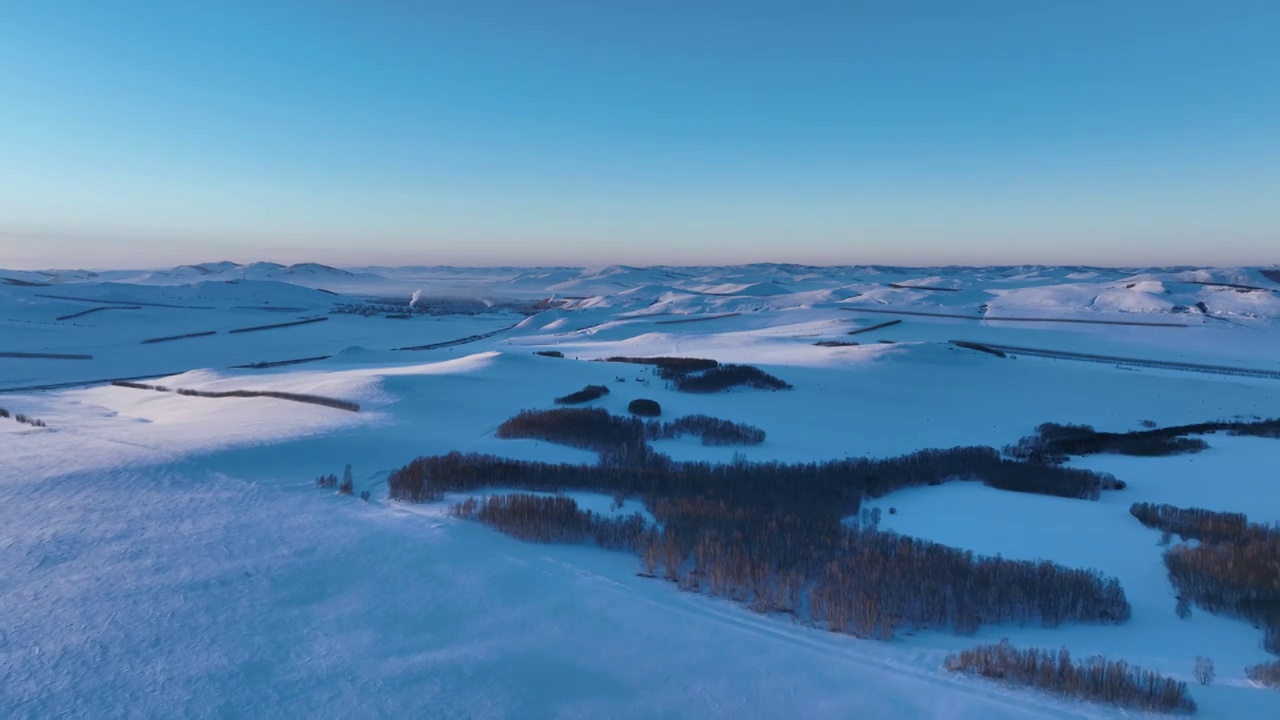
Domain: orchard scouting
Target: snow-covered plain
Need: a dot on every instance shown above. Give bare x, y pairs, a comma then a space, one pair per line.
168, 555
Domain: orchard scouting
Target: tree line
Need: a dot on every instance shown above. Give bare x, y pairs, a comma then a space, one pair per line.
724, 377
712, 430
1229, 573
1192, 523
855, 580
293, 397
623, 440
535, 518
773, 535
669, 367
33, 422
1053, 443
830, 488
701, 375
586, 394
1113, 682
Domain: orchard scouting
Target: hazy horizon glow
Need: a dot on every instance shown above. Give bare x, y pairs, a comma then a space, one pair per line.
139, 134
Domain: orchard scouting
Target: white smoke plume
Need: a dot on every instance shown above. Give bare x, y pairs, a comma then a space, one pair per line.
417, 295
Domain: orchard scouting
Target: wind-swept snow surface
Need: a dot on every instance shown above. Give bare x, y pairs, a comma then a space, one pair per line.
169, 555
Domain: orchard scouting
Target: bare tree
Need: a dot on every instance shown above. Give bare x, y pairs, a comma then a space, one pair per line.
1204, 670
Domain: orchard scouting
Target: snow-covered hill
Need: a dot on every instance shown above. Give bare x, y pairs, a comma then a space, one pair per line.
168, 553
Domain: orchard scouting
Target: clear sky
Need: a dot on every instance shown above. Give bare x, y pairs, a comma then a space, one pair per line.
593, 131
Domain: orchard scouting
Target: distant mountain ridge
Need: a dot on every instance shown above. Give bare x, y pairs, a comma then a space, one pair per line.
1181, 292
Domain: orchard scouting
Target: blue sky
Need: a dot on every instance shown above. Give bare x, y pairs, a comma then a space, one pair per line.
389, 131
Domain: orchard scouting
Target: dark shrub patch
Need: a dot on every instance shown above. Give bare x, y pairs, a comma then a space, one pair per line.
617, 439
645, 408
729, 376
713, 431
550, 353
670, 366
586, 394
1054, 443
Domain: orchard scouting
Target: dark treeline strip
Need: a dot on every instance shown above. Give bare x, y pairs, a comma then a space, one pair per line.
91, 311
879, 326
586, 394
24, 283
858, 581
724, 377
772, 535
835, 343
1112, 682
294, 397
614, 436
831, 489
550, 353
535, 518
1235, 577
1193, 523
669, 367
169, 338
139, 386
979, 347
701, 375
274, 326
45, 356
280, 363
585, 428
712, 430
33, 422
460, 341
1054, 443
1237, 286
933, 586
1265, 673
